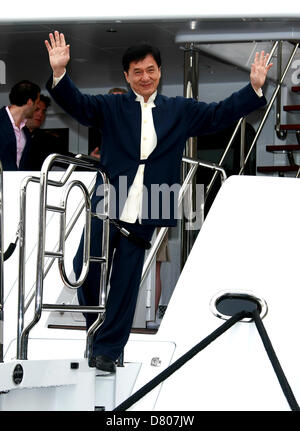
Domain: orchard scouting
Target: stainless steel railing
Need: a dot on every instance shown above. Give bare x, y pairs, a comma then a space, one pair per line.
41, 271
281, 77
270, 104
188, 180
44, 181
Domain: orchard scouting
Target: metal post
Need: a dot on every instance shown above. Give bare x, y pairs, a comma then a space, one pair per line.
281, 134
242, 144
191, 73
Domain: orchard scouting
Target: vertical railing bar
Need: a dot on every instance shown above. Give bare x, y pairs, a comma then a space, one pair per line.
22, 248
40, 263
104, 270
278, 99
243, 141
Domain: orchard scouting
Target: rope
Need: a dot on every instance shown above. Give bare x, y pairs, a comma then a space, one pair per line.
180, 362
10, 249
275, 362
12, 246
204, 343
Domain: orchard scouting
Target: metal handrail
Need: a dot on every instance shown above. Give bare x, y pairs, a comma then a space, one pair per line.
163, 231
69, 228
82, 161
39, 306
209, 187
269, 106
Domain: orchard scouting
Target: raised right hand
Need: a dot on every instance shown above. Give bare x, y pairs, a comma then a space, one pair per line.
59, 53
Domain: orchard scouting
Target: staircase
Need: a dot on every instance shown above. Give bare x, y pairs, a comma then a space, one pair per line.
287, 149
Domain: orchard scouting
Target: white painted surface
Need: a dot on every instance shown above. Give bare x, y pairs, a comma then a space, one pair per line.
53, 283
92, 10
249, 241
54, 289
48, 385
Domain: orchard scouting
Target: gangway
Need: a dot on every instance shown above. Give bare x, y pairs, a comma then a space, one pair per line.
236, 253
18, 371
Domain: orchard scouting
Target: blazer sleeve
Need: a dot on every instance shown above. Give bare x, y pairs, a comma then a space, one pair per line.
8, 144
202, 118
86, 109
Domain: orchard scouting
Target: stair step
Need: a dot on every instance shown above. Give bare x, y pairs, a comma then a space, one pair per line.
265, 169
83, 328
291, 108
290, 147
296, 89
289, 127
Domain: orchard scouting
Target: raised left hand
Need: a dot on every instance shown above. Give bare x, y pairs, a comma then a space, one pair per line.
259, 70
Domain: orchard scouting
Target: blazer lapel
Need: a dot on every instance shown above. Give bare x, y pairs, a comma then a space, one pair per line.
25, 154
8, 142
133, 113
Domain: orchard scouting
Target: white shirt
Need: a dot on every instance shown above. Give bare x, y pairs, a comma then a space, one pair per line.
133, 206
19, 134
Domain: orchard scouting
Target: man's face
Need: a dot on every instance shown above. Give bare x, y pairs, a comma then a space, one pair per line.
38, 116
143, 76
31, 107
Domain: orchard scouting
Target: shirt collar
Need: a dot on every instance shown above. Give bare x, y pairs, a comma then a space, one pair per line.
140, 98
23, 122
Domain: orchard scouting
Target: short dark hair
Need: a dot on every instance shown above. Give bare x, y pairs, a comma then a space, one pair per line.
22, 91
117, 90
139, 52
46, 100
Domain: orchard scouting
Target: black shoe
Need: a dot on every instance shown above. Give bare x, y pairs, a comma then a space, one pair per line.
92, 362
103, 364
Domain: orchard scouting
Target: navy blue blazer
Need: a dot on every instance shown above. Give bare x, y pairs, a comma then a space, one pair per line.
8, 145
175, 120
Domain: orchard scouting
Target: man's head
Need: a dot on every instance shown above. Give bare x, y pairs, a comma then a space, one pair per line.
142, 69
25, 94
39, 114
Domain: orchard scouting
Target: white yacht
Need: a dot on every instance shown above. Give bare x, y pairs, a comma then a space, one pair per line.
241, 254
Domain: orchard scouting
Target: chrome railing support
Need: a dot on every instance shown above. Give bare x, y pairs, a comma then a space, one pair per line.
243, 142
191, 78
281, 134
163, 231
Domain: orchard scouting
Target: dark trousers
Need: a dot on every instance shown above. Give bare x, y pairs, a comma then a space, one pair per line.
126, 262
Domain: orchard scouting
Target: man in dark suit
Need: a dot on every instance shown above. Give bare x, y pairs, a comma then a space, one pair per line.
143, 137
43, 142
14, 137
